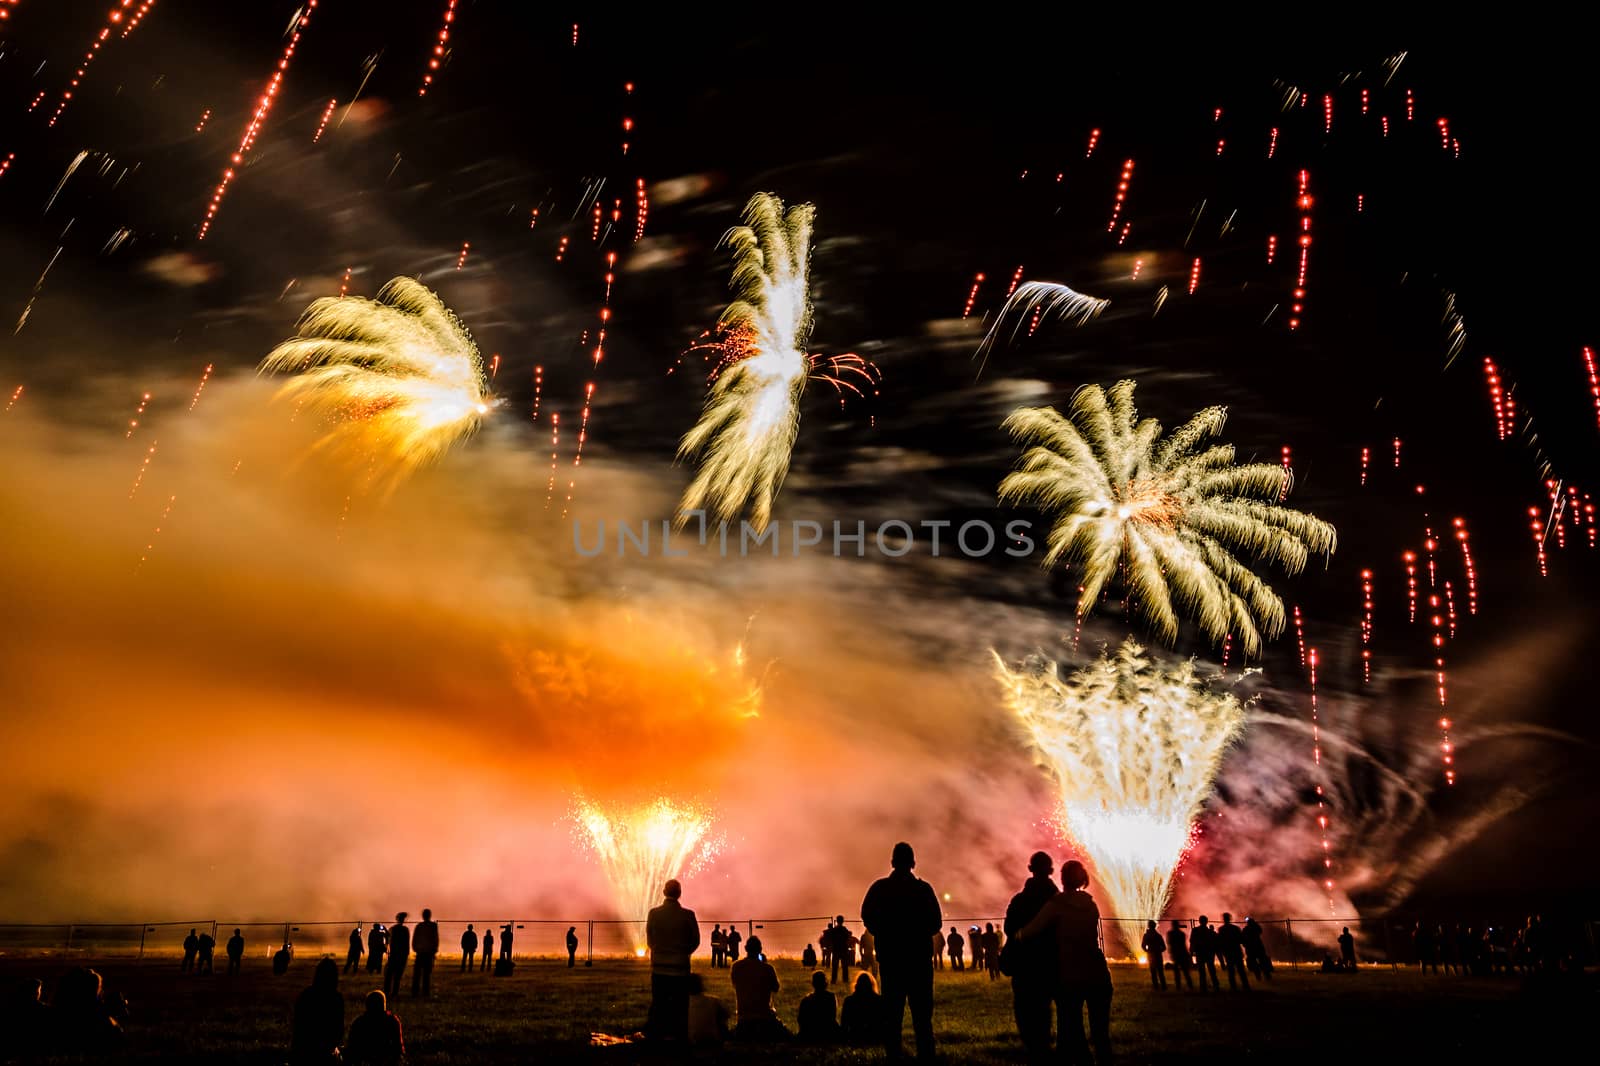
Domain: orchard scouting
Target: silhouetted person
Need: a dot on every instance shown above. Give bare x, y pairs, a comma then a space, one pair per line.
975, 947
956, 945
377, 947
938, 949
869, 955
469, 947
26, 1022
572, 946
672, 935
375, 1037
819, 1012
1256, 959
732, 945
719, 947
203, 959
281, 959
902, 913
1178, 948
1072, 922
708, 1015
861, 1016
425, 942
191, 944
1230, 945
488, 948
236, 954
318, 1028
507, 939
840, 962
1347, 949
1203, 942
1155, 952
399, 955
755, 982
825, 942
991, 950
80, 1015
1031, 964
808, 957
1427, 947
352, 958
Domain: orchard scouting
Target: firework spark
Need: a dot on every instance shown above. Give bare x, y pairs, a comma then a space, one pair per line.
401, 373
1169, 512
1034, 301
641, 847
1133, 746
747, 431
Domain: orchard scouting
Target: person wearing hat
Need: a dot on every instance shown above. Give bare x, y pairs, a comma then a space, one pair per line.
672, 934
902, 913
1070, 922
1031, 965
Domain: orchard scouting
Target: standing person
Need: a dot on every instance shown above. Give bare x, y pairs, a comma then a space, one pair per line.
901, 912
352, 957
318, 1027
938, 949
1422, 939
377, 947
672, 935
1032, 966
755, 982
869, 956
208, 947
991, 951
975, 947
469, 947
956, 944
1255, 950
1230, 945
375, 1037
399, 955
1347, 949
1203, 942
1155, 950
572, 946
718, 947
731, 945
1072, 922
236, 957
191, 944
488, 947
1178, 948
825, 942
506, 940
425, 942
841, 951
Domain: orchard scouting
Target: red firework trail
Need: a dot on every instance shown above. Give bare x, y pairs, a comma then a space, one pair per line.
1016, 279
436, 59
1194, 276
555, 448
5, 164
1497, 398
198, 389
1366, 627
1300, 633
166, 512
1288, 473
205, 116
1272, 143
1464, 540
538, 390
1397, 453
1123, 182
143, 466
1322, 808
1094, 139
1410, 559
1450, 606
327, 113
972, 297
1588, 365
344, 282
16, 395
133, 423
641, 209
1366, 457
5, 8
1327, 113
252, 129
461, 260
1446, 749
1537, 526
119, 16
1272, 248
1304, 203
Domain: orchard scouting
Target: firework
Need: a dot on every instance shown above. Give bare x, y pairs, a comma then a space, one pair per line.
437, 58
166, 512
555, 450
1304, 203
1094, 139
1016, 279
1366, 458
16, 394
133, 423
119, 16
641, 209
144, 466
205, 116
5, 164
538, 390
1133, 746
1588, 365
461, 259
258, 117
972, 297
1122, 194
642, 847
1366, 627
1272, 143
747, 430
1322, 807
1491, 373
400, 373
1169, 513
1272, 248
1194, 275
322, 124
1040, 299
205, 376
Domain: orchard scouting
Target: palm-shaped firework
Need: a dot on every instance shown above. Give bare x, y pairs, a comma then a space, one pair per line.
1181, 520
400, 374
1133, 746
747, 430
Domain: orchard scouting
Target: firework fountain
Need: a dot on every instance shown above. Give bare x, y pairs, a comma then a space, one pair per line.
641, 847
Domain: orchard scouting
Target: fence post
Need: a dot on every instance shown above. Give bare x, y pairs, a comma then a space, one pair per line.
71, 929
1294, 956
143, 929
1388, 943
590, 960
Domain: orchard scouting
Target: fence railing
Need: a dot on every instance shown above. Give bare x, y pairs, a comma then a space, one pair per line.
1289, 941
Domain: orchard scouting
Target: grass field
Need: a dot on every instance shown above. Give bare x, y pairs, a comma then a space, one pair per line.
545, 1013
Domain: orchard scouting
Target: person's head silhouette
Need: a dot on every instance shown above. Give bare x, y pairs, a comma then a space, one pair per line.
1150, 924
1073, 875
1201, 920
903, 858
1227, 919
427, 915
376, 1003
752, 947
819, 982
865, 983
672, 890
399, 919
1041, 865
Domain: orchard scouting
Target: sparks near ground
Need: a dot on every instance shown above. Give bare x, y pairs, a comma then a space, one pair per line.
641, 847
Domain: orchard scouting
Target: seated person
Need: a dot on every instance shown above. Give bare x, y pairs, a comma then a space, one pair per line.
819, 1013
708, 1015
861, 1017
755, 982
808, 957
375, 1037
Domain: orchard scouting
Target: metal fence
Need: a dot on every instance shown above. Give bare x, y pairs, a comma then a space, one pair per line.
1289, 941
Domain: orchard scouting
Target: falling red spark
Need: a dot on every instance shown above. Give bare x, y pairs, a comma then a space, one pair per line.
972, 297
1094, 139
1386, 125
327, 113
1016, 279
641, 209
1221, 142
1122, 194
133, 423
1397, 453
1491, 374
1272, 142
1322, 809
1327, 113
1272, 248
494, 365
1194, 276
1138, 264
166, 512
1464, 540
1300, 633
555, 443
1444, 133
1555, 514
205, 116
1411, 106
344, 282
1364, 101
1366, 456
1361, 203
16, 395
439, 50
198, 389
114, 18
1588, 365
461, 260
561, 249
143, 466
1288, 473
1304, 203
253, 129
1450, 606
538, 390
1538, 540
1446, 748
1410, 559
1366, 626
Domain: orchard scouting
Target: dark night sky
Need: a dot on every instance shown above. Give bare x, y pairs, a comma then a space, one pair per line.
910, 135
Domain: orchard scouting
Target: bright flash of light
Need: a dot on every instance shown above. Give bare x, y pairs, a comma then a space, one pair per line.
752, 414
400, 374
1176, 516
1133, 746
641, 847
1034, 300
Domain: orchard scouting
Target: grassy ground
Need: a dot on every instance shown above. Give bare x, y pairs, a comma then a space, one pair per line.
545, 1013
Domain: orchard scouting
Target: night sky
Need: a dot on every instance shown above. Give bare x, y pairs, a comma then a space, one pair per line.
931, 149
